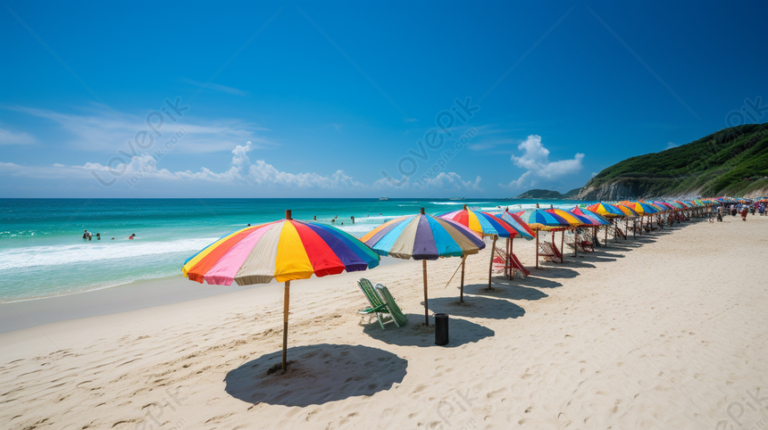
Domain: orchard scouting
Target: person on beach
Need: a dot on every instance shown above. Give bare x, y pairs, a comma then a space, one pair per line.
720, 211
744, 212
132, 236
98, 236
85, 234
353, 219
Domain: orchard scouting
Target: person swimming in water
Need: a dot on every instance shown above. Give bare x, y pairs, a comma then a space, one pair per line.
132, 236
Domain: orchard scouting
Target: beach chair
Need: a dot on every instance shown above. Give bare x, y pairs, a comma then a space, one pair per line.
517, 266
398, 317
547, 251
378, 308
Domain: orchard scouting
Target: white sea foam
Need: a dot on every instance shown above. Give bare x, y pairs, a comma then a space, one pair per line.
91, 252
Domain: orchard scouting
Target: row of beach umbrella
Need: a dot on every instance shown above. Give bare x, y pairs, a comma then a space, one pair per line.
287, 250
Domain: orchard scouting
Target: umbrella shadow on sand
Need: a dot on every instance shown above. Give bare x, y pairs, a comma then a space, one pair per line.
506, 289
321, 373
417, 334
477, 307
554, 270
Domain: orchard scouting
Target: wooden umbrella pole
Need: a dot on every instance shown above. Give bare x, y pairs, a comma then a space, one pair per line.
426, 304
605, 241
575, 242
463, 260
508, 263
286, 303
511, 247
490, 268
537, 249
562, 250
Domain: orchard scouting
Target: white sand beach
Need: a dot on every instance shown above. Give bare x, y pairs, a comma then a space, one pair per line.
667, 331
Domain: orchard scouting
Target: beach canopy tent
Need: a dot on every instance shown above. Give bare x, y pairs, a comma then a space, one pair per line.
285, 251
423, 237
484, 224
542, 220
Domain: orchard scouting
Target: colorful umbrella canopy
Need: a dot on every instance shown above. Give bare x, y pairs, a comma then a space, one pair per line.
605, 209
484, 224
595, 219
640, 207
627, 211
284, 250
481, 223
573, 220
523, 230
423, 237
540, 219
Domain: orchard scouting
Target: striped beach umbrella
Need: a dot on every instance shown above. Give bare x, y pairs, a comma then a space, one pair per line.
590, 219
484, 224
606, 210
285, 251
523, 230
423, 237
540, 219
593, 218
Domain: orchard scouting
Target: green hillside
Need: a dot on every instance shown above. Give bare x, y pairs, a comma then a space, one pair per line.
733, 161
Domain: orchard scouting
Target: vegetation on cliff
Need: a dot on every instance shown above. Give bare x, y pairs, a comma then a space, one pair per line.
732, 161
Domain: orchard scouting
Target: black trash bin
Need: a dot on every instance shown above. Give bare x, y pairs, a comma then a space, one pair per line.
441, 329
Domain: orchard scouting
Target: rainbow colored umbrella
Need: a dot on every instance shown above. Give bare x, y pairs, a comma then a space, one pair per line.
423, 237
588, 218
592, 218
284, 250
640, 207
540, 219
523, 230
605, 209
483, 224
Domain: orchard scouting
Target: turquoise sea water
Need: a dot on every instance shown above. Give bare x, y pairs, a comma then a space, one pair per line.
42, 252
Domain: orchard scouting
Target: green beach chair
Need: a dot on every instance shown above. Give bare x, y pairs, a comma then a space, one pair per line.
394, 311
378, 307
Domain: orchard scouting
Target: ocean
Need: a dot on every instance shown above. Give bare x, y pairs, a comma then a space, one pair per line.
43, 254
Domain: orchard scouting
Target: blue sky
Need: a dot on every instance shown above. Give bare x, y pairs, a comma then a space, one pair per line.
342, 99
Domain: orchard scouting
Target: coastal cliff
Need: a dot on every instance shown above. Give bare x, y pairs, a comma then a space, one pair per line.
732, 161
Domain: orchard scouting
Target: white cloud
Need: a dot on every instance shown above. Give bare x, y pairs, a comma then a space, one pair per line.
107, 133
8, 137
242, 171
594, 174
535, 160
671, 145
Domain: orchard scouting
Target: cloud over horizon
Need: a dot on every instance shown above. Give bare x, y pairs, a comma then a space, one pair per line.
535, 160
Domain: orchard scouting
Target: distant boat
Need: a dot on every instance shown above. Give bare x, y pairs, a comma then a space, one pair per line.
383, 198
456, 198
